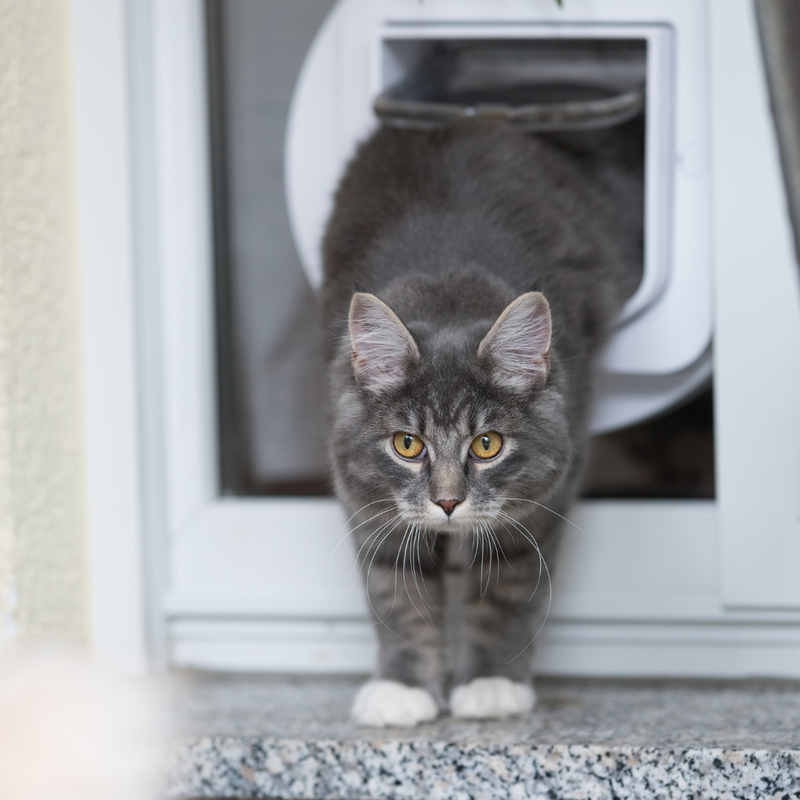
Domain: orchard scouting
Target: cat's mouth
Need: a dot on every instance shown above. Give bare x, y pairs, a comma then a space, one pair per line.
464, 517
460, 518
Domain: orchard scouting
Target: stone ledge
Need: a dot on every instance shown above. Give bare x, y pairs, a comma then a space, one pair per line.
267, 737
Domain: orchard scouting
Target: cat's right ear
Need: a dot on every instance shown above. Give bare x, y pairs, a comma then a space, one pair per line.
383, 348
517, 347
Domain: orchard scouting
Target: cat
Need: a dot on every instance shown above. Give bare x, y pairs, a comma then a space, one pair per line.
472, 273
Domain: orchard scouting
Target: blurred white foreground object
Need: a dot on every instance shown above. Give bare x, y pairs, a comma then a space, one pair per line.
72, 731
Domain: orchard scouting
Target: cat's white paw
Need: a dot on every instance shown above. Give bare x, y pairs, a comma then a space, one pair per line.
383, 703
491, 698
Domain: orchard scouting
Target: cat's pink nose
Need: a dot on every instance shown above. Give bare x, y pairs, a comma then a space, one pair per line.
447, 505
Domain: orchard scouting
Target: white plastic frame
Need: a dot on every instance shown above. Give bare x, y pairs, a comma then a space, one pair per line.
658, 177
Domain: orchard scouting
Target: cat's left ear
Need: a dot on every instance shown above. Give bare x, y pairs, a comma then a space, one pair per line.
383, 348
517, 347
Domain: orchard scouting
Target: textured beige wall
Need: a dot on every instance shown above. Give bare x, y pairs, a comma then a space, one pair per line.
43, 571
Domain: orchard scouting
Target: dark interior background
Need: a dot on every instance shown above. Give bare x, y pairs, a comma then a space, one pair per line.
272, 437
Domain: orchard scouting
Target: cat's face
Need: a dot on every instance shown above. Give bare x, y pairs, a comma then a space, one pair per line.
455, 426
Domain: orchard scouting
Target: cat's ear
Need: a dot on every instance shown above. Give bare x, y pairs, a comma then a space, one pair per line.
517, 348
382, 346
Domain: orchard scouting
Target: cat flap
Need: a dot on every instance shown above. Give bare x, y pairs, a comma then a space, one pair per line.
382, 345
518, 344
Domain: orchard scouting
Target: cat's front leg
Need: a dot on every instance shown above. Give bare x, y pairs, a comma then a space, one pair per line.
405, 594
503, 614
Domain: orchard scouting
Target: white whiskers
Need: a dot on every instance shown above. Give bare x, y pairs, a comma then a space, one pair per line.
349, 533
568, 521
487, 548
542, 563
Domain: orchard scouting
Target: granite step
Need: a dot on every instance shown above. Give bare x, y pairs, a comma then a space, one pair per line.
249, 736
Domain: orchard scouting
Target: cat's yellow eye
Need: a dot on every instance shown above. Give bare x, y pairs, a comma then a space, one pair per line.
408, 445
487, 445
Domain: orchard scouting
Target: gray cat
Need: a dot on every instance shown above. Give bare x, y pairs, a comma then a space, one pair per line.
472, 273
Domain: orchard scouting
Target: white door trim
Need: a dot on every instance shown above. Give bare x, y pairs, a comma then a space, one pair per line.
757, 346
106, 241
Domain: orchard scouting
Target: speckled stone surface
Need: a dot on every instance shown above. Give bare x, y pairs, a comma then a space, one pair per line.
262, 737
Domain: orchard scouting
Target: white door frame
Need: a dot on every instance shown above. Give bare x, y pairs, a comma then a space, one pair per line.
172, 562
119, 593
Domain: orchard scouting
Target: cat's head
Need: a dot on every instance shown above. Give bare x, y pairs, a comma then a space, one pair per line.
454, 422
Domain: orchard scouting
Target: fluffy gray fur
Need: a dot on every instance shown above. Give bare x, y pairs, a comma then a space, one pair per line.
447, 228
